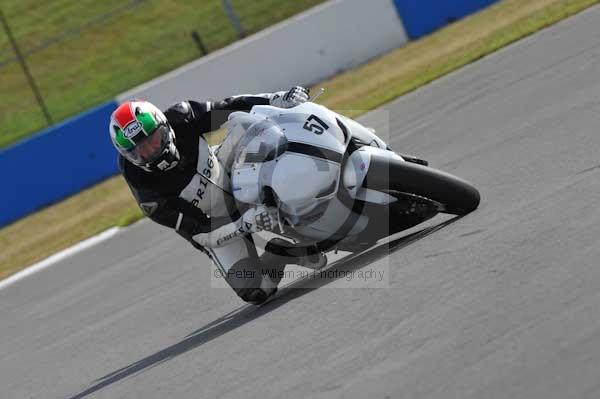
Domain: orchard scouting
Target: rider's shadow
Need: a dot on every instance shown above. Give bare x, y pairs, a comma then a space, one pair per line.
247, 313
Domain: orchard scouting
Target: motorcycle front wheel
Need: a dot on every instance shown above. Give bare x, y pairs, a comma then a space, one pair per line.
455, 195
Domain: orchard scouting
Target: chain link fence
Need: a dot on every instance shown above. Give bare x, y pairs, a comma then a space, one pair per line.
81, 53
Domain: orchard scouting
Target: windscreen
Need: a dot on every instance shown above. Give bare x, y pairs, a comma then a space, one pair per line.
263, 142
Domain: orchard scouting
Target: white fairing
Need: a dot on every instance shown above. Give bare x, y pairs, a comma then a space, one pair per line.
245, 187
328, 220
302, 182
356, 168
293, 120
304, 175
355, 171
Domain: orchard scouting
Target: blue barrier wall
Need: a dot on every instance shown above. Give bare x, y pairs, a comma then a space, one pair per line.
56, 163
421, 17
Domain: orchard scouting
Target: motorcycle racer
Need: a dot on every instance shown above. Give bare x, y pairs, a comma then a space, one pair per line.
179, 182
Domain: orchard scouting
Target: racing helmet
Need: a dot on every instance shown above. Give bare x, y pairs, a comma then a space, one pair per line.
142, 134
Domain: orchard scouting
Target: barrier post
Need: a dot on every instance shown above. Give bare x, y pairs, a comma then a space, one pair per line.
235, 20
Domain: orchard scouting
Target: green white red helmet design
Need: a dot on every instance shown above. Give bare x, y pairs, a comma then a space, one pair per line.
141, 133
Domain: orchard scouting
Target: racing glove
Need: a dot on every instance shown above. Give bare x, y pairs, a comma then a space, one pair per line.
252, 221
259, 218
288, 99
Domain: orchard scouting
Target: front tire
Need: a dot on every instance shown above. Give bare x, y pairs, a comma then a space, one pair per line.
457, 196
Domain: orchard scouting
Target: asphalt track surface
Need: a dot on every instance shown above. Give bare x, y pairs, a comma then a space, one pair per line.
502, 303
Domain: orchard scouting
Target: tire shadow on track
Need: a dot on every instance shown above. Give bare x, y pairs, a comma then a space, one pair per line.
247, 313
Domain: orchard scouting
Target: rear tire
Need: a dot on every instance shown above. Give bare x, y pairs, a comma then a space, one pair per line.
458, 196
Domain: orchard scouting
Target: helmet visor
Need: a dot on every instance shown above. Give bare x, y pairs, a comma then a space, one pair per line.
151, 147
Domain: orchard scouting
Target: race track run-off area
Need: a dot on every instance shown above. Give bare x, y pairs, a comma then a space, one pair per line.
504, 302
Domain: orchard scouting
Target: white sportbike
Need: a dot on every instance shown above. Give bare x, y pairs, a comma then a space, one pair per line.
335, 183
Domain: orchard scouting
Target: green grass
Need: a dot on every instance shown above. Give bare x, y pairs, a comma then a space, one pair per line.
136, 44
39, 235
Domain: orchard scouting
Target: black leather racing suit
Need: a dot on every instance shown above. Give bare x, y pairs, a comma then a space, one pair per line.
192, 198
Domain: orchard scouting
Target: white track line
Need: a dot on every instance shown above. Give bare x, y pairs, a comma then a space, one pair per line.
57, 257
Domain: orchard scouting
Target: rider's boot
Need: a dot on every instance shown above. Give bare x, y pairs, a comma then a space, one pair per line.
373, 140
412, 159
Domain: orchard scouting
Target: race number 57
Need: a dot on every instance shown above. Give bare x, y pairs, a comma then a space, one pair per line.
315, 125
